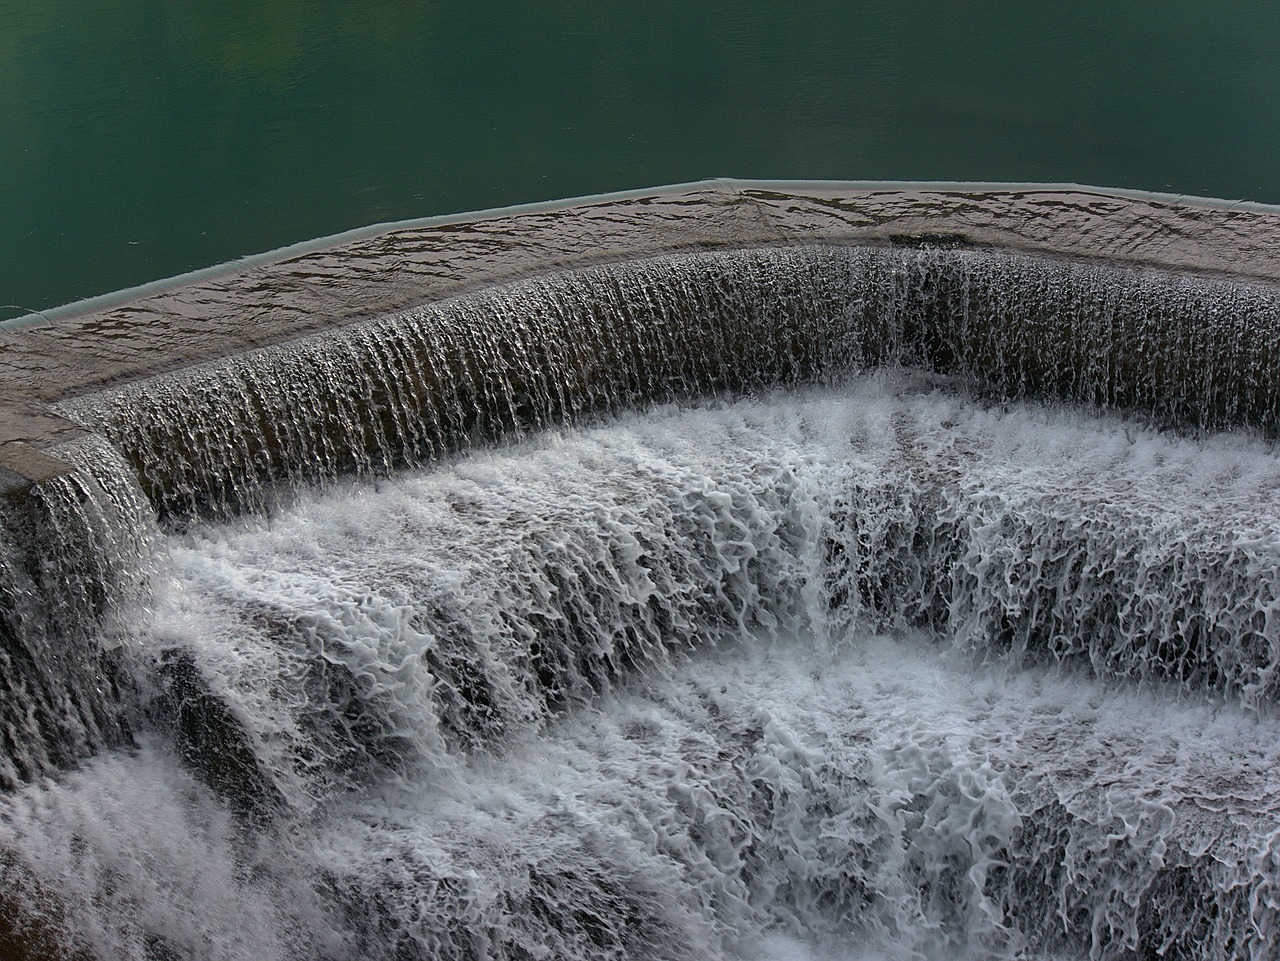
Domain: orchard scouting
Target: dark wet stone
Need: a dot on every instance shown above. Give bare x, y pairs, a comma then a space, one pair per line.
32, 919
212, 741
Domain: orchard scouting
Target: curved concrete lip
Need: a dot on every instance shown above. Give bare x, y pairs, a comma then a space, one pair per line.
799, 188
331, 281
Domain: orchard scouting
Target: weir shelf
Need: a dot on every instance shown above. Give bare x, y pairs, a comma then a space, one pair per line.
289, 293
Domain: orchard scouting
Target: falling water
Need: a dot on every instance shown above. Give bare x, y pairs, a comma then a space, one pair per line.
74, 568
1185, 352
860, 638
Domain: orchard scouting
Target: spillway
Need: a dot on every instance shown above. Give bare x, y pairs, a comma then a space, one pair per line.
743, 571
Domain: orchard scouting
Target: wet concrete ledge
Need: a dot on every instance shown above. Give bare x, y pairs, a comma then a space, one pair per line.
300, 290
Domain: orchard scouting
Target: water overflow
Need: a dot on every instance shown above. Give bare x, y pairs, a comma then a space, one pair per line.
860, 663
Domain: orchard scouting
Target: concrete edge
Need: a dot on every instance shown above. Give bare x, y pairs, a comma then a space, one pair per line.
717, 185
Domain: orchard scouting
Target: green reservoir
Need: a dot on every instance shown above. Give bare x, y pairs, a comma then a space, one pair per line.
142, 138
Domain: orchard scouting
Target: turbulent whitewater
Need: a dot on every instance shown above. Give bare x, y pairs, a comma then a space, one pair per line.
869, 640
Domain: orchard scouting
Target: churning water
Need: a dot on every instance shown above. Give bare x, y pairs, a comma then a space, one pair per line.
872, 668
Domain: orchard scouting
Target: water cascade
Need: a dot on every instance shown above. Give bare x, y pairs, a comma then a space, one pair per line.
1176, 350
853, 601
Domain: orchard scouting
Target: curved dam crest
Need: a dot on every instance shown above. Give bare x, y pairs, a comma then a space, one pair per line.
881, 571
313, 287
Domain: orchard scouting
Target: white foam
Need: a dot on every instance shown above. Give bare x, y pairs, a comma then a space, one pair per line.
790, 677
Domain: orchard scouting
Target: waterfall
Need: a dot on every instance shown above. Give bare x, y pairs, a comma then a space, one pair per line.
810, 602
74, 567
1185, 352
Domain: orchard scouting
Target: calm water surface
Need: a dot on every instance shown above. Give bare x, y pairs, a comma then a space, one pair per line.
141, 138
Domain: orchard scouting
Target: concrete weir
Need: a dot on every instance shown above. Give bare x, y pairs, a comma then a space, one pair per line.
488, 604
67, 353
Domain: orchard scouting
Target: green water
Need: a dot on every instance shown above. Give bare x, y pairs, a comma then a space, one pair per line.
141, 138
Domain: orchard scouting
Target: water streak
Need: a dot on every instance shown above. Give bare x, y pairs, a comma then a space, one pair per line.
1187, 352
75, 557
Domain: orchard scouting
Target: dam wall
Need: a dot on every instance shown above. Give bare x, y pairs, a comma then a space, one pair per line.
229, 388
1224, 256
287, 294
895, 657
